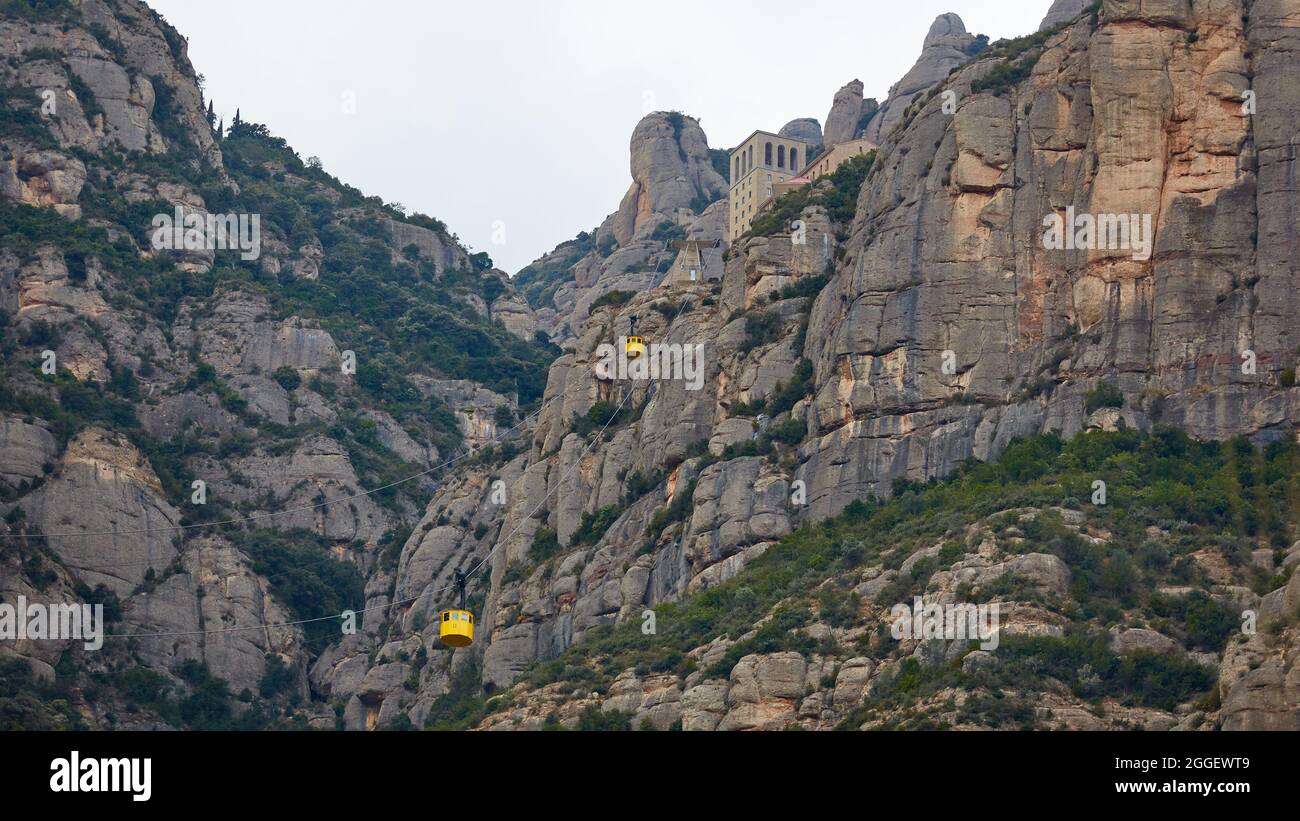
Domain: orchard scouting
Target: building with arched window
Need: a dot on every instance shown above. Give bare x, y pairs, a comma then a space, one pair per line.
751, 183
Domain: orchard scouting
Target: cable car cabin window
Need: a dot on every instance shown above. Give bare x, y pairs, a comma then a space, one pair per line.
446, 617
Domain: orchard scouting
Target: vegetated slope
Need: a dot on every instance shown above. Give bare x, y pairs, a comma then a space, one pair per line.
1115, 615
360, 348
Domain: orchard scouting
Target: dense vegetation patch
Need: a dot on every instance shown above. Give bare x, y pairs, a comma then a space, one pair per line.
305, 577
837, 193
1016, 60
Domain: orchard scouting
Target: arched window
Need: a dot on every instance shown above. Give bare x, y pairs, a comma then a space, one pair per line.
749, 158
794, 159
737, 168
767, 155
780, 156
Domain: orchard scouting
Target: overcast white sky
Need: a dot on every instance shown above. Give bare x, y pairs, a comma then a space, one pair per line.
519, 112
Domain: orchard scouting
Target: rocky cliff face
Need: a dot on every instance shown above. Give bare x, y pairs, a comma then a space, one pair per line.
898, 323
185, 385
118, 55
670, 171
946, 253
945, 329
850, 115
947, 45
676, 182
1062, 11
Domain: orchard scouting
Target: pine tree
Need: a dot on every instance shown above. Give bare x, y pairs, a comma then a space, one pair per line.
212, 116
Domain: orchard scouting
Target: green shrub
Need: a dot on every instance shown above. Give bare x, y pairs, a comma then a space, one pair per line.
545, 544
805, 287
208, 706
1207, 624
761, 328
593, 719
789, 394
288, 378
594, 525
599, 416
1005, 76
790, 432
1104, 395
504, 417
304, 576
837, 193
277, 678
668, 232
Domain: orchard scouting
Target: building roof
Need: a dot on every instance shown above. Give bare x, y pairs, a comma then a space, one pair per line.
867, 145
767, 134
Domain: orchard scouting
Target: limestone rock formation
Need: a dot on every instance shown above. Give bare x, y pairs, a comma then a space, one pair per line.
512, 310
947, 45
231, 599
428, 245
849, 114
671, 173
44, 178
117, 56
103, 485
1062, 11
972, 174
26, 450
804, 128
676, 192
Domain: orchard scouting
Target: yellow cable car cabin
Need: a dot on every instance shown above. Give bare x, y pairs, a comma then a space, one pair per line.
635, 347
457, 628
